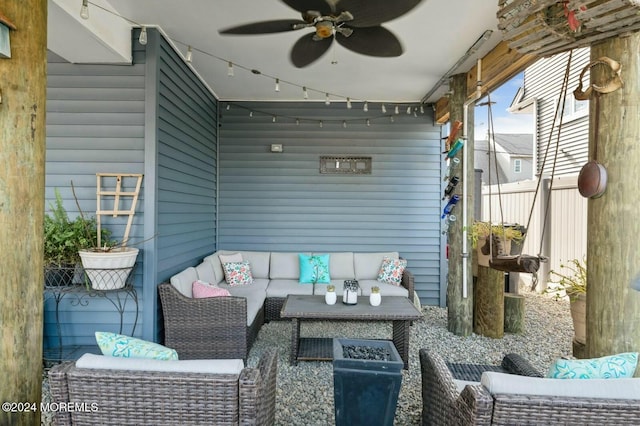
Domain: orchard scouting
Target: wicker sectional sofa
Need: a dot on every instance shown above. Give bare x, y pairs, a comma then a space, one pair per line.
102, 390
518, 397
226, 327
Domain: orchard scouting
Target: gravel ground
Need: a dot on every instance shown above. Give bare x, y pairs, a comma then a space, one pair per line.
305, 391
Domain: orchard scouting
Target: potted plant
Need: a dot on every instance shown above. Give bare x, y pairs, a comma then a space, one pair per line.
107, 263
63, 238
508, 234
573, 284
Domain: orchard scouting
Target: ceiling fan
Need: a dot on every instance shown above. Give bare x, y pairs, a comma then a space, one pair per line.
354, 24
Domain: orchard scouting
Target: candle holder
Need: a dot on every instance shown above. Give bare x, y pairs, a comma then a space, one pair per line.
350, 294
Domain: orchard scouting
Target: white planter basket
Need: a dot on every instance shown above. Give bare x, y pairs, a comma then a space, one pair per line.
108, 270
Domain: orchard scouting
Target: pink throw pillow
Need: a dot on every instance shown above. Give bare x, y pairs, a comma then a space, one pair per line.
201, 289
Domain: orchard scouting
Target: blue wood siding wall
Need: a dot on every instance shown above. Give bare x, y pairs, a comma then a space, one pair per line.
280, 201
95, 123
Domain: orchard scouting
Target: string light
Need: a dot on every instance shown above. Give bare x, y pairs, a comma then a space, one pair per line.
143, 36
305, 94
189, 56
297, 122
228, 107
421, 109
320, 124
397, 110
348, 103
365, 108
408, 110
277, 84
251, 114
344, 124
368, 122
274, 119
391, 118
384, 109
327, 100
230, 72
84, 10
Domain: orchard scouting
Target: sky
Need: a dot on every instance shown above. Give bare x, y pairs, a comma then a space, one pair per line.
503, 121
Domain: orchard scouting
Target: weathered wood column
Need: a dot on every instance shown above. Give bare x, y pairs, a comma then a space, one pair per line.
22, 152
489, 303
460, 309
613, 232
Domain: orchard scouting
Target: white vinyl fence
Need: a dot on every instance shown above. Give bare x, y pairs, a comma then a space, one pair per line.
566, 230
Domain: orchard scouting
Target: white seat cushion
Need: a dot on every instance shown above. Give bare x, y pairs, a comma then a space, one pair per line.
210, 366
497, 383
206, 273
255, 293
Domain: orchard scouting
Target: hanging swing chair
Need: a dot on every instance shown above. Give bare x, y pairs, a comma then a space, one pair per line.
499, 258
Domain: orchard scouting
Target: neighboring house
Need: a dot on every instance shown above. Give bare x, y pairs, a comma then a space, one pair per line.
539, 96
513, 155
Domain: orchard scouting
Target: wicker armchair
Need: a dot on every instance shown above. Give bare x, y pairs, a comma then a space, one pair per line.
208, 328
443, 404
127, 397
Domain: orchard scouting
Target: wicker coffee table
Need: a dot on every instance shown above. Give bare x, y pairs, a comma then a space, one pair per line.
399, 310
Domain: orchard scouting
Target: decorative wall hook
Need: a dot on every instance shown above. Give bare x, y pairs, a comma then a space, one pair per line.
614, 83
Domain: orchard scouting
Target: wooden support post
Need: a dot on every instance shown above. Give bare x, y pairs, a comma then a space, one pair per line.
613, 252
23, 82
460, 308
489, 303
513, 313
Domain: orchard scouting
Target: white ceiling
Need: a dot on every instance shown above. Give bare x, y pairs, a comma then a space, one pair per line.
435, 35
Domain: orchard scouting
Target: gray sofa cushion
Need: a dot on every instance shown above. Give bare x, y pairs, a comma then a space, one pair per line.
282, 288
206, 273
285, 266
367, 265
255, 293
183, 281
341, 266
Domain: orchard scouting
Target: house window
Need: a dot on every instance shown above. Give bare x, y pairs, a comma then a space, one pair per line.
517, 166
574, 109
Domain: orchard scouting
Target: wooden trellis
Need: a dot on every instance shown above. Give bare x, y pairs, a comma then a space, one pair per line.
547, 27
116, 195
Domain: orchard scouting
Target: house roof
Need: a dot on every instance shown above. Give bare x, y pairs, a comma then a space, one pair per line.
516, 145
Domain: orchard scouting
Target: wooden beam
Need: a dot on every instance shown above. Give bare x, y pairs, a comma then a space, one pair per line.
442, 110
498, 66
23, 81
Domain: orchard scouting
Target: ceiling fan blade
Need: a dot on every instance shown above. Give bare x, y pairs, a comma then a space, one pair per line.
265, 27
372, 41
370, 13
302, 6
307, 50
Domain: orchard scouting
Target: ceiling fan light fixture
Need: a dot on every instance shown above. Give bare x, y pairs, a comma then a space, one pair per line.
324, 29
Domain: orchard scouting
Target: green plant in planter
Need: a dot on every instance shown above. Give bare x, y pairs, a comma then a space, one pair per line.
481, 230
572, 283
64, 237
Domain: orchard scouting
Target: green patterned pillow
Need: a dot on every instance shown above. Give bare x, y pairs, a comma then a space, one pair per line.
314, 269
391, 270
237, 273
607, 367
118, 345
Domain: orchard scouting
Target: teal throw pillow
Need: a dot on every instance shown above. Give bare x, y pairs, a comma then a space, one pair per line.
314, 269
608, 367
118, 345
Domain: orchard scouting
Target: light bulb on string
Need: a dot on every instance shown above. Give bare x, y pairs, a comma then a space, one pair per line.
384, 109
297, 122
230, 72
421, 109
348, 103
391, 118
189, 56
397, 110
344, 124
368, 122
277, 85
84, 10
320, 124
250, 114
305, 94
415, 113
228, 107
143, 36
408, 110
327, 100
273, 120
365, 108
